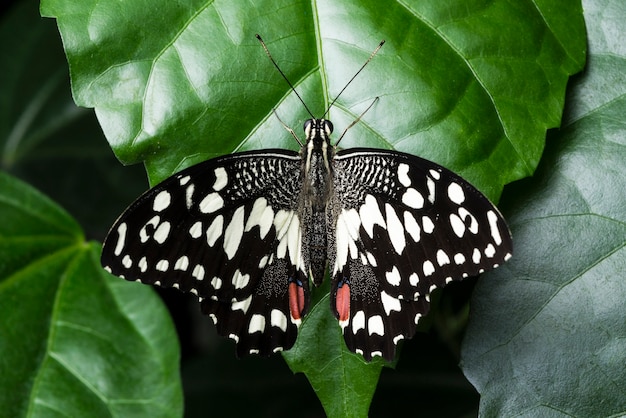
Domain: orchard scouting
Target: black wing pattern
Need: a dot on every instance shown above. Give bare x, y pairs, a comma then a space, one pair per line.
227, 230
402, 226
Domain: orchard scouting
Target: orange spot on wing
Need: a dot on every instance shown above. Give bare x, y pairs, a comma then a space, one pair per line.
342, 302
296, 300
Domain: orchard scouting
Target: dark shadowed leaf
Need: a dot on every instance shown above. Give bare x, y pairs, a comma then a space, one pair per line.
547, 332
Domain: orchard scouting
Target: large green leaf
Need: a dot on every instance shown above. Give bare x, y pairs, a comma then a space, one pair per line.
547, 336
75, 341
471, 85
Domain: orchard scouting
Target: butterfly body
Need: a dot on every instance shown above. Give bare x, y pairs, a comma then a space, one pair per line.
245, 232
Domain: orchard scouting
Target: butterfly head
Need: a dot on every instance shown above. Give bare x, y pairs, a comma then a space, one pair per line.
317, 132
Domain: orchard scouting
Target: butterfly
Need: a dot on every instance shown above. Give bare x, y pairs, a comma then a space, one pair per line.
248, 233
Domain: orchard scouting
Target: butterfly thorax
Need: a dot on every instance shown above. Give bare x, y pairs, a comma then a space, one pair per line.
317, 188
317, 163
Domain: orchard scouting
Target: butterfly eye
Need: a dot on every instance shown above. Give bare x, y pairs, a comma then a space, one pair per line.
328, 127
307, 127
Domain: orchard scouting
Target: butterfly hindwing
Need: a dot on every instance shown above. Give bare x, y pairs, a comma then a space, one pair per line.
228, 231
402, 226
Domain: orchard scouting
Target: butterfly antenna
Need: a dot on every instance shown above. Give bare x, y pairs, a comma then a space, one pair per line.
287, 127
354, 122
350, 81
267, 51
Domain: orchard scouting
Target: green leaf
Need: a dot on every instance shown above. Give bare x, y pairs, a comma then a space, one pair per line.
342, 380
470, 85
547, 331
74, 339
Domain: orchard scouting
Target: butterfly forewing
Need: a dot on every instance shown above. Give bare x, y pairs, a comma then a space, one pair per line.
402, 226
227, 230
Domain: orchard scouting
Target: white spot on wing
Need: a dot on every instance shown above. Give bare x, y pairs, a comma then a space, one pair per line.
490, 251
257, 324
240, 280
358, 322
476, 256
427, 224
459, 259
216, 282
428, 268
233, 233
196, 230
162, 232
215, 230
211, 203
278, 319
375, 325
493, 226
442, 258
371, 259
414, 279
430, 183
413, 199
182, 263
221, 179
198, 272
143, 264
411, 226
189, 195
347, 232
393, 276
241, 305
162, 265
457, 225
395, 229
289, 236
261, 215
161, 201
455, 193
390, 303
121, 238
370, 215
403, 177
127, 261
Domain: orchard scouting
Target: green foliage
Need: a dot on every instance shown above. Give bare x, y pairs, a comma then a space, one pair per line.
75, 339
547, 332
190, 82
471, 85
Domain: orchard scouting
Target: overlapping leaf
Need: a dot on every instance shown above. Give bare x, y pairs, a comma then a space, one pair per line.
75, 341
547, 333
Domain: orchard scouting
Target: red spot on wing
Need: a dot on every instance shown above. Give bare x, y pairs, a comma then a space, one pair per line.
342, 302
296, 300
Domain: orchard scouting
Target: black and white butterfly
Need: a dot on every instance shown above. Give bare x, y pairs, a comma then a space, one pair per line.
245, 233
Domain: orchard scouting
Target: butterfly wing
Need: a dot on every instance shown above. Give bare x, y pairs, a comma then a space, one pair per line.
402, 226
228, 231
